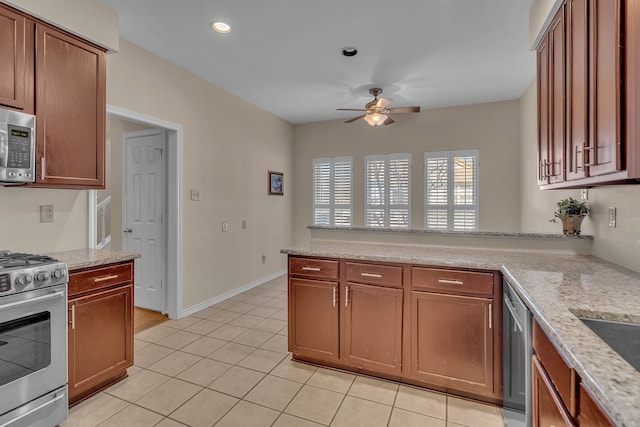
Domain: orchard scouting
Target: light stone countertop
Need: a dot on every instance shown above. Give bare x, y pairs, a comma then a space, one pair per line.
83, 258
557, 288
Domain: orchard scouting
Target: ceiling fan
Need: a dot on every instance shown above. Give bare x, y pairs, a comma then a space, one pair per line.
376, 111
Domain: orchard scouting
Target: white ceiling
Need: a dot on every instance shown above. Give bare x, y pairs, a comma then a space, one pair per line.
284, 56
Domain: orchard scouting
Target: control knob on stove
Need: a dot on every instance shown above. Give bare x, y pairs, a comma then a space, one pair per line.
58, 273
41, 276
23, 280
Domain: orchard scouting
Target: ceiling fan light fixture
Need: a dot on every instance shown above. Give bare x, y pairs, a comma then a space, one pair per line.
375, 119
221, 27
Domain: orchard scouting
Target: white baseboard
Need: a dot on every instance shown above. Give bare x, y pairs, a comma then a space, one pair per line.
195, 308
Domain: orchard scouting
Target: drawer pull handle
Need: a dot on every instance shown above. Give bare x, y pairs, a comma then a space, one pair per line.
102, 279
311, 268
379, 276
490, 316
335, 293
450, 282
73, 317
346, 296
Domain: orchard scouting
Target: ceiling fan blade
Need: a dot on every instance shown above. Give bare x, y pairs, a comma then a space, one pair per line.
405, 110
350, 109
355, 118
382, 103
388, 121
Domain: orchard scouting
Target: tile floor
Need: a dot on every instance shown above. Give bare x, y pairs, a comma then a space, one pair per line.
228, 365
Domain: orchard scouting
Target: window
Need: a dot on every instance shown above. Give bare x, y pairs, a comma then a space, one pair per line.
332, 201
387, 190
451, 190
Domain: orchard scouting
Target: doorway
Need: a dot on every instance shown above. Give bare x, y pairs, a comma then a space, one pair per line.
173, 220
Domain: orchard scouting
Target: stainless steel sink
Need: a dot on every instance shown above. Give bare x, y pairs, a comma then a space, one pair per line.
624, 338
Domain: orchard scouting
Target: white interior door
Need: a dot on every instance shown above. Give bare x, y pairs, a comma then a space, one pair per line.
144, 214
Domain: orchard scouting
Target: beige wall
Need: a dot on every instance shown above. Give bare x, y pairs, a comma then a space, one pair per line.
540, 15
229, 145
89, 19
493, 128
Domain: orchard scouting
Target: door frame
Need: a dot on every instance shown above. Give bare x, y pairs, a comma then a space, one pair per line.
174, 134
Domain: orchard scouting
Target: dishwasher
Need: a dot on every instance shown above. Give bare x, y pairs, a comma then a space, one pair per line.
516, 359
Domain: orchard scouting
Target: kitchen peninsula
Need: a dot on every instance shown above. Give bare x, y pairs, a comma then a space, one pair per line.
557, 288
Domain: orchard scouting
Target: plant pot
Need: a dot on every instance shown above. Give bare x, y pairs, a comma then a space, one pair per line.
571, 224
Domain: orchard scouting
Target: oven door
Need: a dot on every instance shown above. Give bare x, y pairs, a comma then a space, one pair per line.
33, 345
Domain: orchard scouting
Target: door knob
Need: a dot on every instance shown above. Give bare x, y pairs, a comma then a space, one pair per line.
127, 230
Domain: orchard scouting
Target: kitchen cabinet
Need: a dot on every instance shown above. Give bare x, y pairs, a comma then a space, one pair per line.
373, 317
432, 327
591, 414
548, 409
100, 329
452, 330
581, 109
551, 106
16, 68
313, 318
70, 77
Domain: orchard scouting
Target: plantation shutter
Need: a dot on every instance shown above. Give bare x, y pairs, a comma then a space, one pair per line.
387, 190
451, 190
332, 187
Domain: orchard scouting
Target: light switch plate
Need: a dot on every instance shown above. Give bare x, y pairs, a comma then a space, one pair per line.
224, 226
584, 194
612, 217
195, 195
244, 224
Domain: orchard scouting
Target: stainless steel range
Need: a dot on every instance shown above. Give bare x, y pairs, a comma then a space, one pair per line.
33, 340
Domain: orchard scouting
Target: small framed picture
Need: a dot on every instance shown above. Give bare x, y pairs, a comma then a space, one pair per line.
276, 180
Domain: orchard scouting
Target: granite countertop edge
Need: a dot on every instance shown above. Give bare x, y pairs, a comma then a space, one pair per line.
85, 258
533, 275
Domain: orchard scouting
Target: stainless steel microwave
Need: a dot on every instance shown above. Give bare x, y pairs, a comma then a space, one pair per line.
17, 147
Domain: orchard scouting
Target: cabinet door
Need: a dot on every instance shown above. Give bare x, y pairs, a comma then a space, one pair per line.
16, 74
548, 409
313, 318
542, 55
591, 415
373, 327
557, 86
605, 148
70, 111
452, 341
100, 338
577, 88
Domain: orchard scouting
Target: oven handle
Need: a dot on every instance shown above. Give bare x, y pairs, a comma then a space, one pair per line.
32, 300
31, 411
512, 310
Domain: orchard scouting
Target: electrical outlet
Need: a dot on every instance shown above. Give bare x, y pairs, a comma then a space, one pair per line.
612, 217
584, 194
224, 226
46, 213
195, 195
264, 259
244, 224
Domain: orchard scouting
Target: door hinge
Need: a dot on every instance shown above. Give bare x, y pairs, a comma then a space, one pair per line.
161, 151
161, 284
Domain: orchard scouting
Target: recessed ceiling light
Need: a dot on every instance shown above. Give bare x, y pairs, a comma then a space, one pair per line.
349, 51
221, 27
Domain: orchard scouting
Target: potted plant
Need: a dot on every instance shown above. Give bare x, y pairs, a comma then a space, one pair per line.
571, 212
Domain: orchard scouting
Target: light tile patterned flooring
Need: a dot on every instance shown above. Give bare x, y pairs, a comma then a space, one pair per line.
228, 365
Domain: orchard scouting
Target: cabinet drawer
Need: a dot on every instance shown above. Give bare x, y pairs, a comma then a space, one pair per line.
311, 267
373, 274
560, 373
99, 278
452, 280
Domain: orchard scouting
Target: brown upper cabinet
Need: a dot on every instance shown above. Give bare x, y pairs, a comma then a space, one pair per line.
588, 80
16, 68
62, 80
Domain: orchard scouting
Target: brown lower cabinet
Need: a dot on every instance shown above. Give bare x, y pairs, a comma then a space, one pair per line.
431, 327
452, 341
100, 329
558, 397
